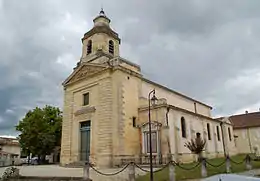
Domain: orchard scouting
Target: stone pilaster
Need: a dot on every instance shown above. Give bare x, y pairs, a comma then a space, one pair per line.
104, 122
66, 127
121, 119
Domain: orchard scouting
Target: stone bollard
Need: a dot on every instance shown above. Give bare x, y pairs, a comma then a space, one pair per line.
248, 162
203, 168
131, 172
16, 172
228, 165
86, 174
171, 172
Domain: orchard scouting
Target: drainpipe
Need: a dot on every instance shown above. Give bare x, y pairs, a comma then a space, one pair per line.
195, 107
249, 140
223, 139
168, 139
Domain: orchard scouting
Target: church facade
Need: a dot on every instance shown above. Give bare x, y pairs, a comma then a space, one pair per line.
106, 105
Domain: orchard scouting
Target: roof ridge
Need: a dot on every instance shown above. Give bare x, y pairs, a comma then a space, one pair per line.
246, 120
245, 114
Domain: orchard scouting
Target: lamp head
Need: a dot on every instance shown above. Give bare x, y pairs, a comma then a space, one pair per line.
154, 99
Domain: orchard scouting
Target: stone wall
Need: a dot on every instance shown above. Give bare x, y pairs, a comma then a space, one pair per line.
99, 111
104, 129
247, 140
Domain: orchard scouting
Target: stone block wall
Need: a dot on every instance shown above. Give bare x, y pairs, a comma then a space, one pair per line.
66, 128
104, 129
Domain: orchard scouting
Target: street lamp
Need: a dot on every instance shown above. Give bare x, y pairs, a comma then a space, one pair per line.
153, 101
223, 140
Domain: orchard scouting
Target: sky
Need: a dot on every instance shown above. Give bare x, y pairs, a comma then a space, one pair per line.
208, 50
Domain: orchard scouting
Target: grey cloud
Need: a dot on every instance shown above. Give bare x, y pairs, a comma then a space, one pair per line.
30, 46
201, 67
195, 47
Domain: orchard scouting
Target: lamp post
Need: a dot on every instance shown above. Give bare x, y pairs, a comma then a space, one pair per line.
223, 140
153, 100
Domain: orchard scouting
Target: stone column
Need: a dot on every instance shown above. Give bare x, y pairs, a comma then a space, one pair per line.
171, 172
177, 143
248, 162
228, 165
203, 168
131, 172
86, 174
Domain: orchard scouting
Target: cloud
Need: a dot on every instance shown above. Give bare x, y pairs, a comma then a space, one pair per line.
7, 136
207, 50
35, 57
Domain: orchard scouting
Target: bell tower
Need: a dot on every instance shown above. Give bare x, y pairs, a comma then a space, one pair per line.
101, 38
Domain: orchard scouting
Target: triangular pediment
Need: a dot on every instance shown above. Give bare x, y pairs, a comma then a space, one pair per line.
83, 71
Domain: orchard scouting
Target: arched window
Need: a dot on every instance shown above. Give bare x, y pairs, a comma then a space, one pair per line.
208, 130
218, 135
111, 47
183, 127
89, 47
229, 134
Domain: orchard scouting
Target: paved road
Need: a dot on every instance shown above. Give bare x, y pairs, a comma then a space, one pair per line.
55, 170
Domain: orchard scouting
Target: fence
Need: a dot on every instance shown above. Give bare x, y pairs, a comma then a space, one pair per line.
171, 165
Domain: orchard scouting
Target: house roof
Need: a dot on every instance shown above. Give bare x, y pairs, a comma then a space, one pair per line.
247, 120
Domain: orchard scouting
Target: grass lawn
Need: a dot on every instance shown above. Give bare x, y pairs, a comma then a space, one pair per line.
196, 173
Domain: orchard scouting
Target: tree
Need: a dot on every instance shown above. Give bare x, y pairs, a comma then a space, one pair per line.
40, 131
196, 145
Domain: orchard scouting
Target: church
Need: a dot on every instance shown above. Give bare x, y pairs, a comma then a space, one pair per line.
108, 104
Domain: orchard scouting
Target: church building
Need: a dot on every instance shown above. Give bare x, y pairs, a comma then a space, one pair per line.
106, 107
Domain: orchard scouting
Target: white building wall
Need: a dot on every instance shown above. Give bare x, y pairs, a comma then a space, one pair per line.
12, 149
194, 124
174, 99
247, 140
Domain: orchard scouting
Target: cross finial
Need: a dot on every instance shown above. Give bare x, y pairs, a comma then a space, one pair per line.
102, 12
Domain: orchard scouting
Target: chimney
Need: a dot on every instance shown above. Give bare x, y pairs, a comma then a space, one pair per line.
246, 112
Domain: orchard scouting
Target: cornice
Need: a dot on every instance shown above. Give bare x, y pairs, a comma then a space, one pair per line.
145, 108
86, 76
177, 93
101, 29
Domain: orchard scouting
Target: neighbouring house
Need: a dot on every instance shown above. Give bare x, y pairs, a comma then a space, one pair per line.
247, 132
9, 151
105, 113
10, 145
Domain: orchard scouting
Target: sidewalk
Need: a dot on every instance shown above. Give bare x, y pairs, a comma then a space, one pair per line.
57, 171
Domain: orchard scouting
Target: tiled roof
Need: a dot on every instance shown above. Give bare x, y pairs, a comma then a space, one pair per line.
246, 120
